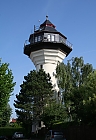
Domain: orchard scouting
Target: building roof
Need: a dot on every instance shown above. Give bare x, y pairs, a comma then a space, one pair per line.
12, 120
48, 26
47, 22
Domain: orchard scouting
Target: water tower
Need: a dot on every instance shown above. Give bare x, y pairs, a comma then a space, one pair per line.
46, 48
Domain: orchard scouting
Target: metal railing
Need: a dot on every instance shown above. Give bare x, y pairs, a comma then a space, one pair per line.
67, 43
26, 42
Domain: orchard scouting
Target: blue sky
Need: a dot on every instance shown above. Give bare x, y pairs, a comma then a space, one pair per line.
76, 19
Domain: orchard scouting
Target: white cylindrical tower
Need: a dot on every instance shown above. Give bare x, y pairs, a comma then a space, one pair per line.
48, 59
46, 48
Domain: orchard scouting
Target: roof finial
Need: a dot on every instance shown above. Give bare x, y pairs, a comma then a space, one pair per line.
46, 17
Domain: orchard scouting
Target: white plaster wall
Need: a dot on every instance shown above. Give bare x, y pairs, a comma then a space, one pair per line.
48, 59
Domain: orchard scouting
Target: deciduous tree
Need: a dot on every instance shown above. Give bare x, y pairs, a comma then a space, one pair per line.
53, 113
71, 77
6, 87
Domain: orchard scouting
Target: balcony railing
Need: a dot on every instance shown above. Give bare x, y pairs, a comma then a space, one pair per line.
66, 42
69, 44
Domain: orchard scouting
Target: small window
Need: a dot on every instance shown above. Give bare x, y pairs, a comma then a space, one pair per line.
61, 39
58, 93
53, 38
39, 38
41, 66
49, 37
36, 39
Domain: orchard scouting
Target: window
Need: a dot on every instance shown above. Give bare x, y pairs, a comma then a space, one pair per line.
36, 39
58, 93
53, 38
60, 39
39, 38
49, 37
41, 66
63, 40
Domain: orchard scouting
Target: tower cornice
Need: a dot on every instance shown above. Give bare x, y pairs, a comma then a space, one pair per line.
47, 45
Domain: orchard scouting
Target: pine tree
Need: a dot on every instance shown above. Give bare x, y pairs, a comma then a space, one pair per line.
36, 91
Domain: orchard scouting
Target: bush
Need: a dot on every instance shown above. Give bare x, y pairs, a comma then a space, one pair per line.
9, 131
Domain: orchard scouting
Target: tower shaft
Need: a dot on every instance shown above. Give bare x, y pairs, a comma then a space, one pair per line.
48, 59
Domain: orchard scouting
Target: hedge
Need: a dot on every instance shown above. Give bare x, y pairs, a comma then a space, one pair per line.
9, 131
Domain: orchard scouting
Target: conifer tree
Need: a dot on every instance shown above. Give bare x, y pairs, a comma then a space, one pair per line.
36, 91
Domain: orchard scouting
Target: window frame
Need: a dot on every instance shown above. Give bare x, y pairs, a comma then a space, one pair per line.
49, 37
53, 38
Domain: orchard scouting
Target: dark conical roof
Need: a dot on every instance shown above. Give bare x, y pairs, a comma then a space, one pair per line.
48, 23
48, 26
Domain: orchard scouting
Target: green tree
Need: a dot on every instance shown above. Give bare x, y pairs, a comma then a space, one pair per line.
6, 87
6, 115
53, 113
36, 91
88, 114
71, 76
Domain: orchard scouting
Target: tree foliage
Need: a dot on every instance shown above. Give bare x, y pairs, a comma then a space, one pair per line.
89, 102
36, 91
72, 78
53, 113
6, 87
6, 116
84, 100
